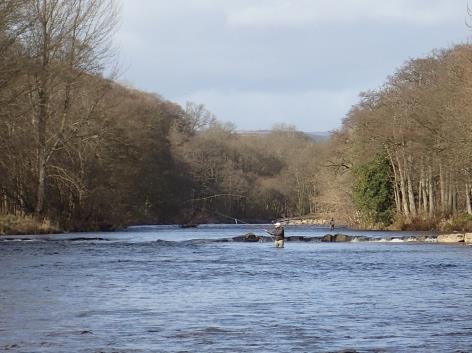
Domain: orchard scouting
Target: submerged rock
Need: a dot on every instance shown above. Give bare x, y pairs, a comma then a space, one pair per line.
327, 238
249, 237
295, 238
264, 239
87, 239
342, 238
303, 239
338, 238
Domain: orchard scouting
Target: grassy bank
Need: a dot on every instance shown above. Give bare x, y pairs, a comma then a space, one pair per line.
458, 223
21, 225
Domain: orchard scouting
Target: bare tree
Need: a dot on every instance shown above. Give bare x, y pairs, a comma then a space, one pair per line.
66, 40
198, 117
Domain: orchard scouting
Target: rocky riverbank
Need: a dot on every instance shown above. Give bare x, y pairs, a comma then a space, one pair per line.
465, 238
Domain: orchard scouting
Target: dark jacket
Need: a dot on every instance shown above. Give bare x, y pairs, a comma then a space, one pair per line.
278, 233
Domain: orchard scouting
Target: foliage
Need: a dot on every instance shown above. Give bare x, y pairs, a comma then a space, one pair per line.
89, 153
250, 176
373, 191
420, 120
460, 222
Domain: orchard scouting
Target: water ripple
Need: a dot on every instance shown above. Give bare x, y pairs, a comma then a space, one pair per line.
162, 295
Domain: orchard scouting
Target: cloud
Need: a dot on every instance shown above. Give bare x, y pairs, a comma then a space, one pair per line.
314, 110
299, 13
260, 62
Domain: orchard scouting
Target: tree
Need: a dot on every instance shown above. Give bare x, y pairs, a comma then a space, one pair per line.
65, 40
420, 121
198, 117
373, 191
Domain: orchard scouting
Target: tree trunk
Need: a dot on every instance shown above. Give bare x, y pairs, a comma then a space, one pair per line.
454, 198
431, 191
401, 172
411, 196
447, 190
41, 137
395, 185
467, 198
43, 106
41, 185
423, 202
442, 188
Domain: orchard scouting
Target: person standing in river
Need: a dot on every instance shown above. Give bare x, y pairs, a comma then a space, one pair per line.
279, 233
331, 223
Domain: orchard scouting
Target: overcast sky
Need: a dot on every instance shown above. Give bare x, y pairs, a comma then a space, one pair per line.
257, 63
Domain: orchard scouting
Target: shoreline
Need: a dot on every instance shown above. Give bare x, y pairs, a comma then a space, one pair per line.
454, 238
11, 224
22, 227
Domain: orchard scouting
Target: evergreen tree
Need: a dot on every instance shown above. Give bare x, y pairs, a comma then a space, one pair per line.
373, 191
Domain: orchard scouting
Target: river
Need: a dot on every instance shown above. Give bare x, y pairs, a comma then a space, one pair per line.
166, 289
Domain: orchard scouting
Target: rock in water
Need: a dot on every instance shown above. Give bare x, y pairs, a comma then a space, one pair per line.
295, 238
249, 237
338, 238
341, 238
451, 238
327, 238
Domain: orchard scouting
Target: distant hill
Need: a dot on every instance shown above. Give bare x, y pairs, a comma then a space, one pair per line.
316, 135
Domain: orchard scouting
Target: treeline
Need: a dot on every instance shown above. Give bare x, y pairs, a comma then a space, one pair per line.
87, 153
407, 145
253, 176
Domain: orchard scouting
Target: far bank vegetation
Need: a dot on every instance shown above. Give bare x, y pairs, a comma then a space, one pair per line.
79, 150
408, 144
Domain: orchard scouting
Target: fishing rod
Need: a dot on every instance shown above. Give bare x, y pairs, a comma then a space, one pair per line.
235, 219
240, 221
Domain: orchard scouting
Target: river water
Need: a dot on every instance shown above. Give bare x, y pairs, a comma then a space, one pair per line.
158, 289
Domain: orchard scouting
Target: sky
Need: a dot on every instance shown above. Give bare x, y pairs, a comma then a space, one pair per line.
258, 63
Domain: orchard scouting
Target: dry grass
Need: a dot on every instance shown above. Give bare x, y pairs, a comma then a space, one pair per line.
459, 222
22, 225
415, 224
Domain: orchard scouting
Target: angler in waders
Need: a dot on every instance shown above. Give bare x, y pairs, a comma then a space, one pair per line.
279, 234
331, 224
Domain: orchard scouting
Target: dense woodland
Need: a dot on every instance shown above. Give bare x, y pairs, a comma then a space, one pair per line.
85, 152
407, 145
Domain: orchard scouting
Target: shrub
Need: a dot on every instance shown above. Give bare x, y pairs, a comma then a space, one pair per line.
416, 224
460, 222
373, 191
21, 224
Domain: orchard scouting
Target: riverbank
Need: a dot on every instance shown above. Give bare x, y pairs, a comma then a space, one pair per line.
458, 223
23, 225
11, 225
